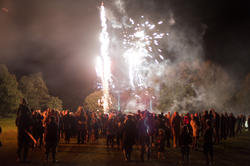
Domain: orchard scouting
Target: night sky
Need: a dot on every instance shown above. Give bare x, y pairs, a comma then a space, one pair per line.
60, 38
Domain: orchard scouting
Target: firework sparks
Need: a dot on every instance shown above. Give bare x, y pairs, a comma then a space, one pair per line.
103, 66
141, 41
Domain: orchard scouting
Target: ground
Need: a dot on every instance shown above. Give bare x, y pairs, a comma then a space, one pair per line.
234, 151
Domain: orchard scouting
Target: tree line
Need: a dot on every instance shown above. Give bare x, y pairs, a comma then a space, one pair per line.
32, 87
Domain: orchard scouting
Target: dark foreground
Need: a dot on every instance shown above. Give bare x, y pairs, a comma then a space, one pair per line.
234, 151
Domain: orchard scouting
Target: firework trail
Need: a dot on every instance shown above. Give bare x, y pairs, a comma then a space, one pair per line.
103, 66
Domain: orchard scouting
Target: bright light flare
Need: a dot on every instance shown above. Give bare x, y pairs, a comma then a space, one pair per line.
103, 63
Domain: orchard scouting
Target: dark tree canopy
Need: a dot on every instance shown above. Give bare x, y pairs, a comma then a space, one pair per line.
37, 94
10, 96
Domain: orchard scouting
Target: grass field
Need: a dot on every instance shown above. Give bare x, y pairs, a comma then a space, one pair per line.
232, 152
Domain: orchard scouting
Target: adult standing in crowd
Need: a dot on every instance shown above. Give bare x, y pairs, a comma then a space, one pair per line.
23, 123
128, 139
51, 138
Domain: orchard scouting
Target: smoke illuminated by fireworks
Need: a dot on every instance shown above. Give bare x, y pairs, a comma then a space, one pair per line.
103, 66
141, 53
141, 42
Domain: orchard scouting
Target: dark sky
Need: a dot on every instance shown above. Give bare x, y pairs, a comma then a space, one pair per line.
60, 38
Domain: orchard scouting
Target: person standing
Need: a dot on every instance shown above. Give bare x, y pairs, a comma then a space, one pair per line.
24, 122
216, 126
232, 121
168, 128
195, 129
110, 132
208, 142
67, 126
51, 138
185, 140
176, 125
143, 135
160, 143
128, 138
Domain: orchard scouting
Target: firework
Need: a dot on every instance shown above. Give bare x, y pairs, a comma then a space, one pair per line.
103, 66
142, 44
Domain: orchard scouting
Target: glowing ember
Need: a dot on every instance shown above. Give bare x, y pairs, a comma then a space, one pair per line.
103, 66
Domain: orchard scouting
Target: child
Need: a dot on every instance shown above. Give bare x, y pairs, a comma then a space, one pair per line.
185, 140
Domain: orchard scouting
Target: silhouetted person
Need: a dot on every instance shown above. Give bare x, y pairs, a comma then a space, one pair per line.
185, 140
232, 122
81, 129
67, 127
128, 139
176, 124
216, 125
195, 130
119, 134
110, 132
208, 142
143, 135
160, 143
168, 129
51, 138
23, 123
223, 127
204, 118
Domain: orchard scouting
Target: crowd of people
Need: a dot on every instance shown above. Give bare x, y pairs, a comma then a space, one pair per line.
149, 131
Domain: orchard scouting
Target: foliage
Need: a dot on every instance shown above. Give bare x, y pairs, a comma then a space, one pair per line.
195, 86
55, 103
175, 96
10, 96
36, 92
93, 102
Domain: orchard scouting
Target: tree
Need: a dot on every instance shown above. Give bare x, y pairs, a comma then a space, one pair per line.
176, 97
10, 96
55, 103
93, 102
36, 92
197, 85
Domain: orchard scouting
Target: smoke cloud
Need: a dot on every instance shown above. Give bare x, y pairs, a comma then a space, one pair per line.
185, 78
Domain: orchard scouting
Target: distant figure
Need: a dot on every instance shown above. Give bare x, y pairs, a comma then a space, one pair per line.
128, 140
110, 132
23, 122
216, 125
160, 143
185, 141
143, 135
223, 125
51, 138
195, 129
176, 125
208, 142
67, 127
232, 122
168, 128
